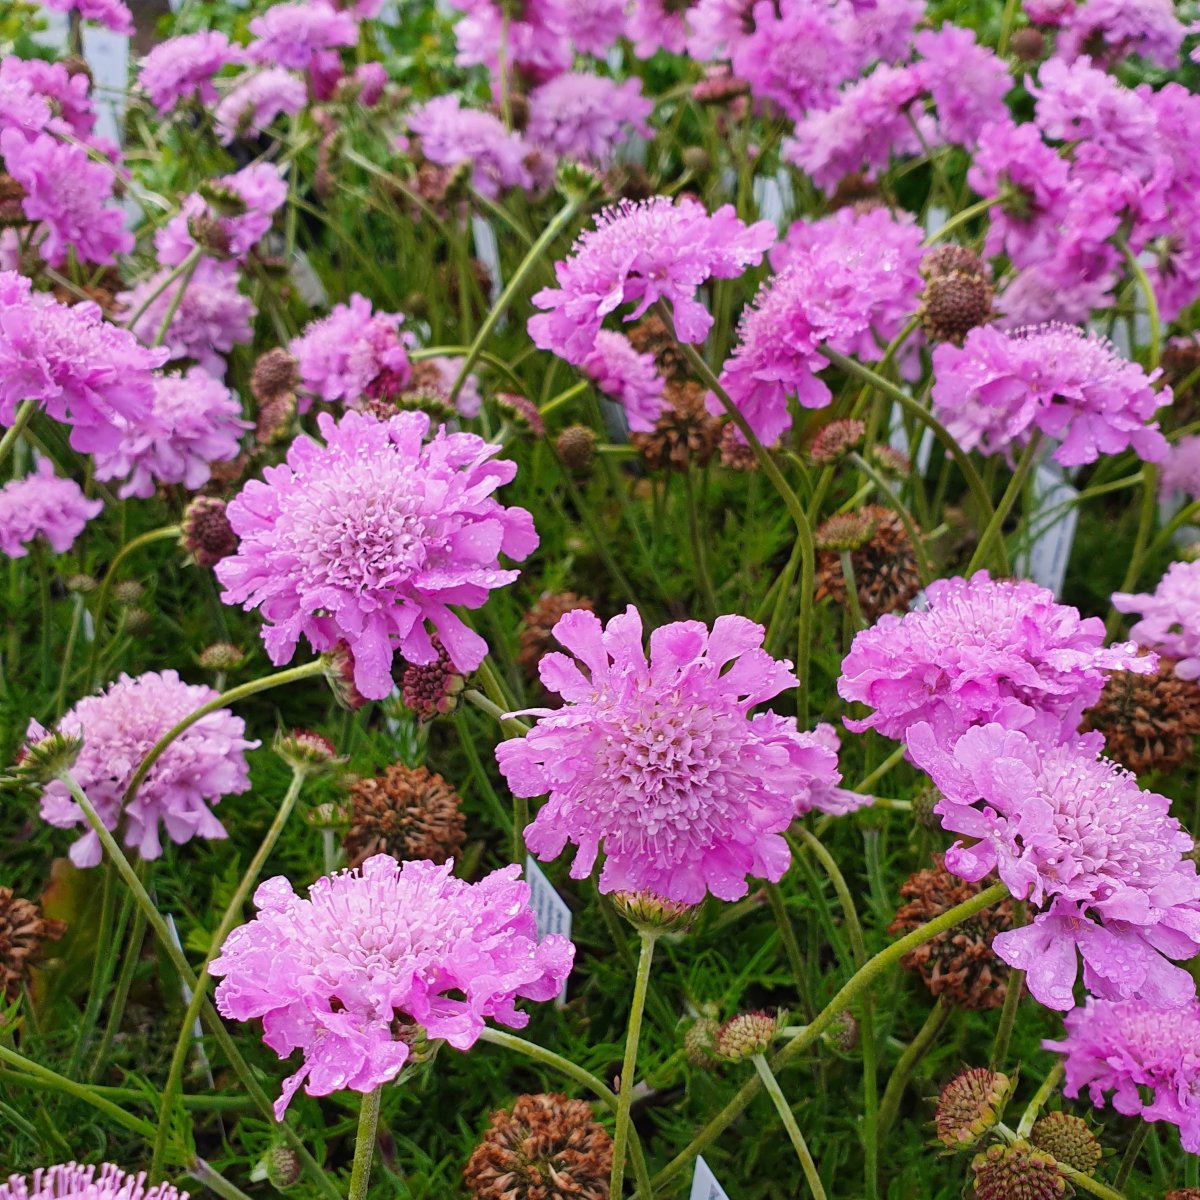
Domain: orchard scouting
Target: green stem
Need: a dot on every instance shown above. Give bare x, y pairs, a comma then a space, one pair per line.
231, 916
1132, 1153
771, 1084
1006, 24
1146, 513
961, 218
560, 221
906, 1064
364, 1144
1039, 1098
1143, 282
116, 1010
924, 570
1008, 1018
215, 1182
102, 969
1015, 485
851, 582
188, 265
892, 760
564, 397
25, 410
791, 946
845, 997
699, 558
629, 1064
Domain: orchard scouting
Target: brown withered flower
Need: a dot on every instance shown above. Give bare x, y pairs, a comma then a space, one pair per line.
1017, 1172
836, 439
885, 567
959, 963
407, 812
23, 929
537, 633
546, 1148
576, 447
954, 304
276, 373
686, 433
1149, 722
736, 453
651, 336
969, 1105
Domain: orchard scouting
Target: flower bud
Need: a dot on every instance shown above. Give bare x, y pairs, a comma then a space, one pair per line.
207, 533
1017, 1172
652, 914
970, 1104
302, 749
1069, 1139
748, 1034
576, 446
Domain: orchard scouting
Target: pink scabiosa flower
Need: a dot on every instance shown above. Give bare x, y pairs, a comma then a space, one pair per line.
196, 422
70, 195
654, 25
82, 370
353, 353
590, 26
372, 535
1180, 471
43, 505
70, 105
1053, 13
295, 36
254, 103
66, 1180
1124, 1047
536, 44
118, 728
820, 788
210, 319
659, 763
619, 371
388, 945
1037, 296
983, 650
22, 107
586, 117
1148, 28
112, 14
1170, 616
967, 82
1071, 384
450, 134
638, 254
183, 68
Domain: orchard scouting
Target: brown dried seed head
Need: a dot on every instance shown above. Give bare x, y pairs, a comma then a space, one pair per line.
651, 336
576, 446
1017, 1172
954, 304
952, 259
884, 565
275, 373
407, 812
686, 433
23, 929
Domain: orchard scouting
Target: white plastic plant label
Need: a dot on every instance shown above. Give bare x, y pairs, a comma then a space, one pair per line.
704, 1183
1052, 517
549, 910
898, 440
107, 55
197, 1028
487, 250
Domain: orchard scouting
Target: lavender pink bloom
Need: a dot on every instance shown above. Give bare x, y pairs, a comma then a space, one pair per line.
196, 422
41, 505
586, 117
370, 538
639, 254
619, 371
119, 727
1148, 28
967, 82
1170, 617
257, 101
654, 25
658, 762
1180, 471
65, 1180
982, 651
83, 371
112, 14
183, 68
384, 947
69, 103
294, 36
1123, 1048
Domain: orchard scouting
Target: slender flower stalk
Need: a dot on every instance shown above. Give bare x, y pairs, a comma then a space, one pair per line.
771, 1084
364, 1144
1016, 484
629, 1063
25, 411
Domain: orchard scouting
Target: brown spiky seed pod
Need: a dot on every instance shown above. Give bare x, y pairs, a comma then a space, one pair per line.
736, 453
1017, 1172
686, 433
651, 336
958, 963
835, 440
275, 374
885, 567
1069, 1139
23, 929
1028, 44
537, 635
432, 689
1149, 722
952, 259
969, 1105
207, 532
952, 305
407, 812
546, 1148
576, 446
1183, 1194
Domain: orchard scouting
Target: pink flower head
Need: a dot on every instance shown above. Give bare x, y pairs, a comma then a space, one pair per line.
67, 96
619, 371
237, 209
353, 353
69, 1181
118, 728
654, 25
1123, 1048
1181, 470
1170, 617
387, 944
591, 26
1148, 28
112, 14
586, 117
966, 81
83, 371
211, 318
1037, 296
639, 254
43, 505
22, 107
371, 535
1053, 13
296, 35
183, 68
982, 650
196, 422
1070, 384
71, 195
1059, 824
250, 107
537, 43
659, 763
450, 134
820, 788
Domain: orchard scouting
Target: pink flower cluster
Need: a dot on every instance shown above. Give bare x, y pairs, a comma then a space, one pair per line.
586, 117
1170, 617
118, 728
371, 537
658, 761
619, 371
257, 101
65, 1181
43, 505
183, 68
385, 946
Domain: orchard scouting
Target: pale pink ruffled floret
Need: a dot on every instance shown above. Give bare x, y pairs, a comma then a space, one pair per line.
332, 974
982, 650
71, 1181
119, 727
43, 505
451, 134
296, 35
256, 102
1180, 471
967, 82
112, 14
1124, 1047
639, 253
820, 789
619, 371
659, 763
1071, 384
654, 25
183, 68
371, 536
586, 117
1170, 616
70, 105
1148, 28
1075, 835
197, 421
82, 370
